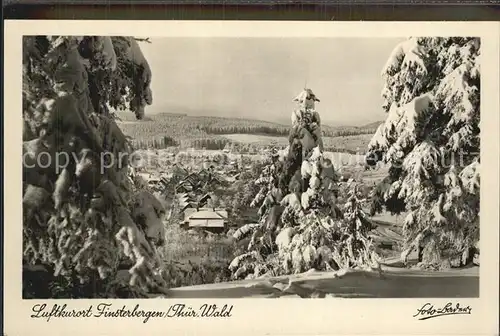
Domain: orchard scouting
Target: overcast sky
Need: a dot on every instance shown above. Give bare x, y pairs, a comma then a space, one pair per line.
258, 78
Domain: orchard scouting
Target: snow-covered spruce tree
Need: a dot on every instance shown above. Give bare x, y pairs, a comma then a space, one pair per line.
246, 189
354, 247
431, 140
83, 216
301, 226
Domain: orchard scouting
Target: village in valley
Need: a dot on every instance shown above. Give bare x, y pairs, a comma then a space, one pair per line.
197, 179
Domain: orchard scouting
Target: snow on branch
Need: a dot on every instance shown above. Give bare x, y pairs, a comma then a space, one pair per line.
406, 53
147, 40
401, 123
456, 94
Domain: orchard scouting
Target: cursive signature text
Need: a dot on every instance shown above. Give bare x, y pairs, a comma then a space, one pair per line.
428, 311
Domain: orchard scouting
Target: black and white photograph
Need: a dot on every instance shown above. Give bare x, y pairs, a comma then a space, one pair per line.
253, 167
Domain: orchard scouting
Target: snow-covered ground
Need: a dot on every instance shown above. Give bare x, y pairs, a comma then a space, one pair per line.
391, 282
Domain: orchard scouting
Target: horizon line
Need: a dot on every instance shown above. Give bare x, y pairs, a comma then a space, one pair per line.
278, 121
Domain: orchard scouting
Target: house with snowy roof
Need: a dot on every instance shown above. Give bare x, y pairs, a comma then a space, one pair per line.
211, 219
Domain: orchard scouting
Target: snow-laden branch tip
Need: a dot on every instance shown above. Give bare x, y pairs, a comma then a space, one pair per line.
406, 53
456, 94
400, 121
147, 40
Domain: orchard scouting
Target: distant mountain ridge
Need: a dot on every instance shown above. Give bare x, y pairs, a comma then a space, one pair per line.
279, 125
163, 130
373, 125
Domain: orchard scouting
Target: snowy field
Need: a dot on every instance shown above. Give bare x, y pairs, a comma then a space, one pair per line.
351, 143
254, 138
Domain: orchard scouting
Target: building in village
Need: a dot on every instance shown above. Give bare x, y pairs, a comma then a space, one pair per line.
210, 219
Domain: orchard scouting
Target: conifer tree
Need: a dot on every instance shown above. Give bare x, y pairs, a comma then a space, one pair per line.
431, 141
85, 219
301, 226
